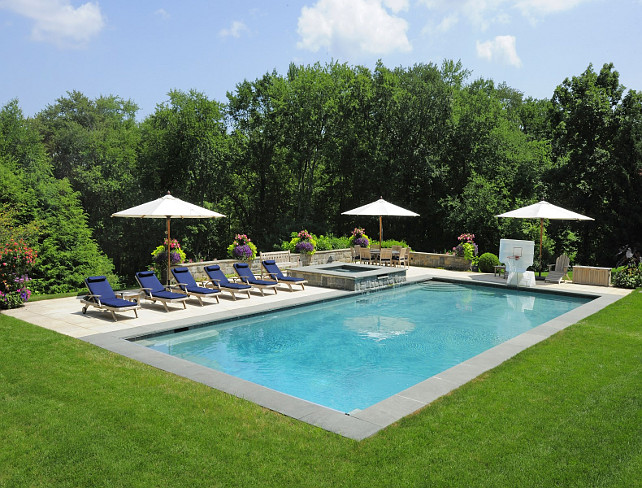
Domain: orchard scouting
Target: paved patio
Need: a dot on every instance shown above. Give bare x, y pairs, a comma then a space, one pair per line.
64, 315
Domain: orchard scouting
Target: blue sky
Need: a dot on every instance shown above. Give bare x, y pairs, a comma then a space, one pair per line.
141, 49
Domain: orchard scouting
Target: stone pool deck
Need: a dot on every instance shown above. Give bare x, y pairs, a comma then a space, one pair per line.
64, 316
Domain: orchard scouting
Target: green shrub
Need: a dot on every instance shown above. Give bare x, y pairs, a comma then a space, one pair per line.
329, 242
627, 277
391, 242
487, 262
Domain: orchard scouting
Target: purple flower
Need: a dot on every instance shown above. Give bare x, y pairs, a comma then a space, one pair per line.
361, 241
304, 247
161, 258
243, 252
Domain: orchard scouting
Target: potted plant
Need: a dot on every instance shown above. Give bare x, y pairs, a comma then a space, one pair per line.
242, 249
304, 243
359, 238
467, 249
159, 258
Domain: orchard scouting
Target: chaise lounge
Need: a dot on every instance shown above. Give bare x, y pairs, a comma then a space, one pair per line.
275, 273
153, 290
245, 274
102, 296
220, 281
186, 282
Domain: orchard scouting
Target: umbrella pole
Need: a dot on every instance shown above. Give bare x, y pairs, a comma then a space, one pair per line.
169, 255
380, 231
541, 236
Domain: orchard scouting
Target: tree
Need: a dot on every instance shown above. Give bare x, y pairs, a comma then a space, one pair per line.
44, 210
93, 144
597, 160
186, 150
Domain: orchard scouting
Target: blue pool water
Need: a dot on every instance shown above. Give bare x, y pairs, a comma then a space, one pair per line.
353, 352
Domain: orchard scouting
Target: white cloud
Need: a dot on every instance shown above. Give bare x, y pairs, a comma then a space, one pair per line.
354, 26
58, 22
396, 5
235, 30
483, 13
162, 13
542, 7
501, 49
448, 22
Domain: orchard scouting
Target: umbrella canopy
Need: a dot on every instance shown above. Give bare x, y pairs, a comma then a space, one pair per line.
543, 210
168, 207
381, 208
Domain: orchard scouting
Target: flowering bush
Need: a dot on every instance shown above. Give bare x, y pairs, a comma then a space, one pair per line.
303, 242
466, 247
16, 258
159, 255
242, 248
359, 238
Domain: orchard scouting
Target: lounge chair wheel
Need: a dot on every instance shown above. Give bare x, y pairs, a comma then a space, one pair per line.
84, 310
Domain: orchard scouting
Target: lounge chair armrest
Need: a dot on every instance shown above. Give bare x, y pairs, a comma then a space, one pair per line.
551, 267
274, 276
97, 297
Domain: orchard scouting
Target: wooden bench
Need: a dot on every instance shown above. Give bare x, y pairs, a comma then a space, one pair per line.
283, 259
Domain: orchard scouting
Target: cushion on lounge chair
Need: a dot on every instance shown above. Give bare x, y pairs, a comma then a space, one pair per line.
152, 287
275, 272
216, 274
187, 282
102, 291
245, 273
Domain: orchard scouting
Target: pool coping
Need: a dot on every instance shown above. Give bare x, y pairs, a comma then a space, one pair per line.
358, 424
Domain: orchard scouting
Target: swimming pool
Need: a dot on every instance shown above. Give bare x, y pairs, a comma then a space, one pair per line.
350, 353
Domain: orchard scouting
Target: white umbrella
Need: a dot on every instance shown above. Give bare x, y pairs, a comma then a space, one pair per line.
168, 207
380, 208
543, 210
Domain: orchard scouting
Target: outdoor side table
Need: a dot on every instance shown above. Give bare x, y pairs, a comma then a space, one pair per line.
131, 296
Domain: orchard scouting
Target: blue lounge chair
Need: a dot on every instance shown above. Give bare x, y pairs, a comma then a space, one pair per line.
245, 273
152, 290
186, 282
275, 273
102, 296
220, 281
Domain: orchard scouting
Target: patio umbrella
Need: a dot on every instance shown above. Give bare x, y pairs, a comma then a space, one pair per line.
543, 210
168, 207
381, 208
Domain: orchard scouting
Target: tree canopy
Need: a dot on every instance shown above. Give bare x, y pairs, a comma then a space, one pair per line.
291, 151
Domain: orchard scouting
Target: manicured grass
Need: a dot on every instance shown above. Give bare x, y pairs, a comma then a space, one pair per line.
37, 298
566, 412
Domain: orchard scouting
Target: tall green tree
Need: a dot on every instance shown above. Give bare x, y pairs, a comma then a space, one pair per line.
46, 208
186, 150
597, 159
93, 144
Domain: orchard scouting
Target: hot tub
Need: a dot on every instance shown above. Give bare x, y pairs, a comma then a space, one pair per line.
349, 276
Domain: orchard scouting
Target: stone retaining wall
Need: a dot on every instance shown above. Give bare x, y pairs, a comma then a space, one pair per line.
422, 259
446, 261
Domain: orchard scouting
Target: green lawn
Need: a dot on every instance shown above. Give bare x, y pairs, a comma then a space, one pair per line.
566, 412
